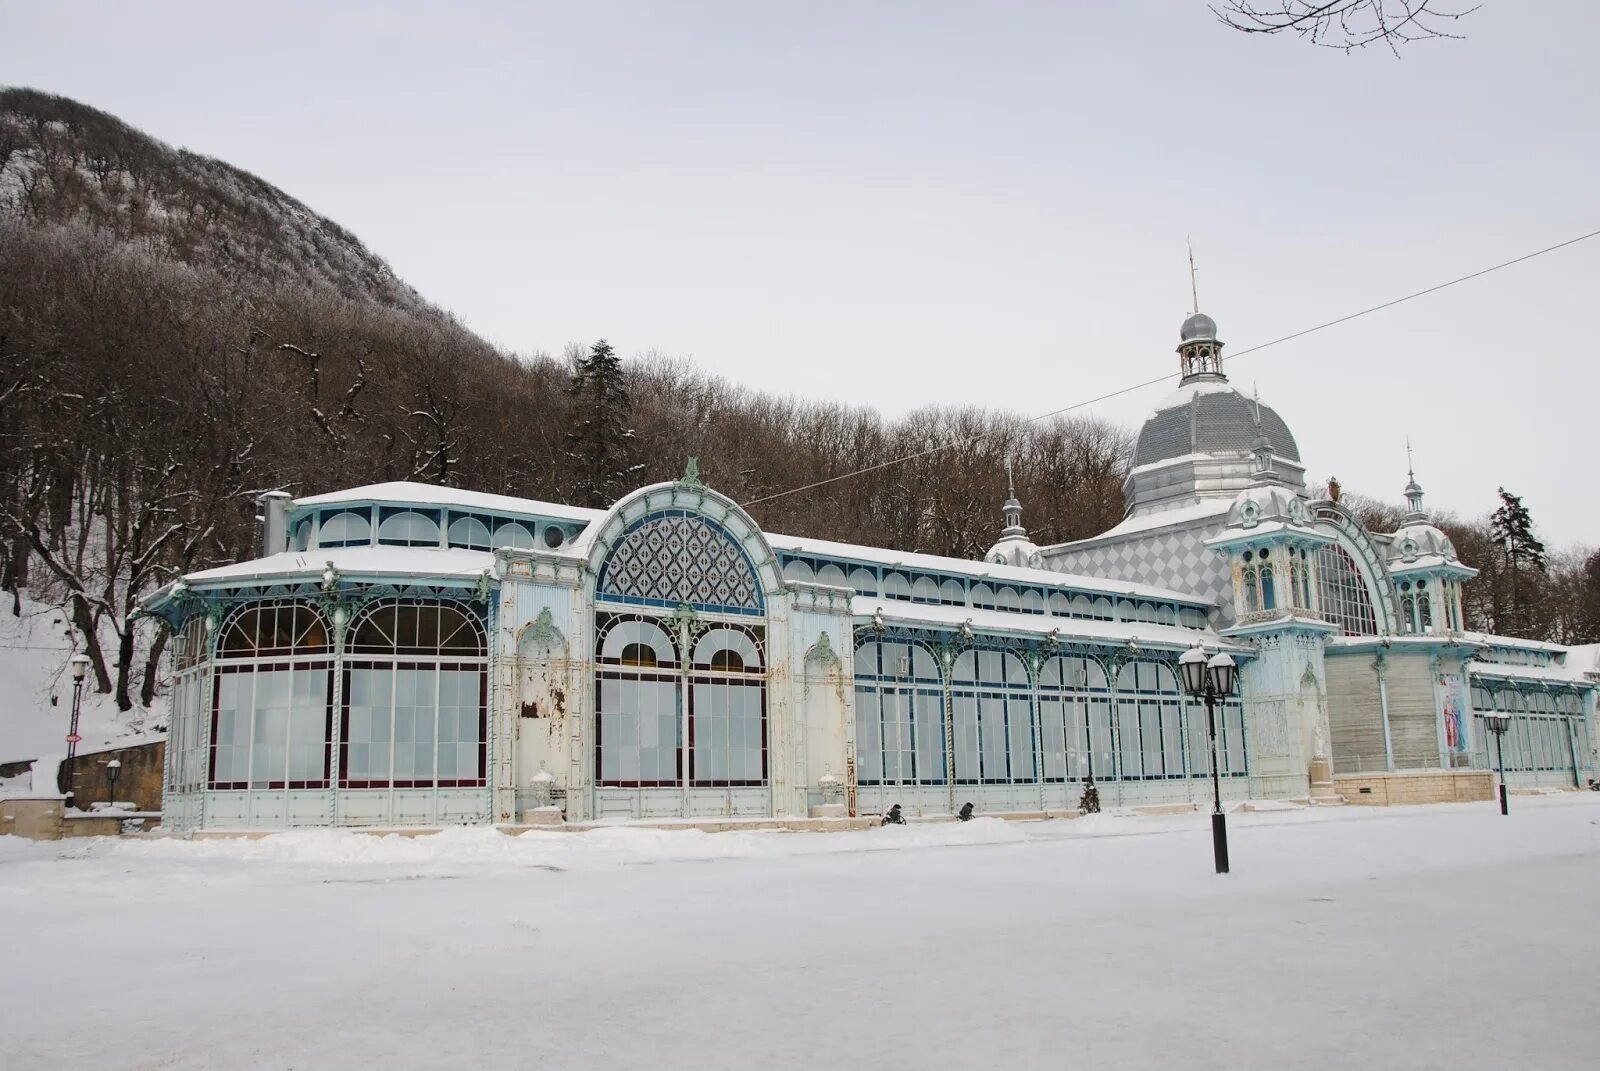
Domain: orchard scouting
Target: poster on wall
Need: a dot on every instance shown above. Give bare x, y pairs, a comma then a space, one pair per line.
1454, 712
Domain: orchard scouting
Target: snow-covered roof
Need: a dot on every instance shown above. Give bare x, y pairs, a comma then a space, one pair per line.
1491, 640
851, 552
1541, 674
1181, 517
1583, 658
405, 492
1144, 633
352, 561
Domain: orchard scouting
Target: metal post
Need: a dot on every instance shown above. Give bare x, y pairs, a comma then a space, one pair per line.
72, 734
1219, 821
1500, 762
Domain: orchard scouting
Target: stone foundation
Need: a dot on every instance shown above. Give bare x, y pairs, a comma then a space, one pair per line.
1415, 786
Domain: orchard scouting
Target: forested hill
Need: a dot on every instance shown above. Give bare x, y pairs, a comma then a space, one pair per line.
62, 161
179, 335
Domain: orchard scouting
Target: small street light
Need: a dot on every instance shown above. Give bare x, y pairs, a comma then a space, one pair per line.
1498, 724
1211, 679
80, 669
113, 770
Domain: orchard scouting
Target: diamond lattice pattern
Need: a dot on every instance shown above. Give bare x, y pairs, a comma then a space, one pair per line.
669, 560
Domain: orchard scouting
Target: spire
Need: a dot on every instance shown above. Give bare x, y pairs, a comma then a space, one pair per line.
1413, 489
1199, 350
1262, 451
1194, 288
1013, 508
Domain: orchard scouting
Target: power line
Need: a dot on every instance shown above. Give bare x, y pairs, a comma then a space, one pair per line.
1164, 378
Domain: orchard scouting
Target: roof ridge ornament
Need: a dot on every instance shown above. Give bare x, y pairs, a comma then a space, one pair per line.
691, 474
1414, 510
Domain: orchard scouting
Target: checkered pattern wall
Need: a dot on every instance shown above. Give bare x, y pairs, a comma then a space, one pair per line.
1176, 558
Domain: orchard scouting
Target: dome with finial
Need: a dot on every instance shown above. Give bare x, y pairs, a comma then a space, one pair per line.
1014, 547
1197, 326
1268, 499
1416, 540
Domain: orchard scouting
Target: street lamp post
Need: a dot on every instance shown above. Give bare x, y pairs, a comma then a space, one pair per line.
113, 770
1498, 724
80, 669
1210, 680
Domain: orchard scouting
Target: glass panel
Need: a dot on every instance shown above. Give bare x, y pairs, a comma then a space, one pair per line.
638, 731
345, 528
869, 737
1019, 732
469, 532
928, 723
965, 725
408, 528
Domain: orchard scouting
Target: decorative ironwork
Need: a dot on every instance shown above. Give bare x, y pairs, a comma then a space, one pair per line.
677, 557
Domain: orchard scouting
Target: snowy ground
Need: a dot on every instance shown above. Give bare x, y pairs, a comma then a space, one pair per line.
1443, 937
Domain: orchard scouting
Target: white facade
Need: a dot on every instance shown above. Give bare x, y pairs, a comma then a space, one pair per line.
407, 655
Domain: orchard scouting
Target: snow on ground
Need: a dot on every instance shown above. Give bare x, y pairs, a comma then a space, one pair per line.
1445, 937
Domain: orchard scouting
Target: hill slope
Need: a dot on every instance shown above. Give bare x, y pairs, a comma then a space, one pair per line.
61, 161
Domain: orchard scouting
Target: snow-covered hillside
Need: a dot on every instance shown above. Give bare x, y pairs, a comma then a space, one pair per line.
36, 691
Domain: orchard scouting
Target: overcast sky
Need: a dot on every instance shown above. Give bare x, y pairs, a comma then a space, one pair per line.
902, 205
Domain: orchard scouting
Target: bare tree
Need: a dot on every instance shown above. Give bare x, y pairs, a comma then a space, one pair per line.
1345, 24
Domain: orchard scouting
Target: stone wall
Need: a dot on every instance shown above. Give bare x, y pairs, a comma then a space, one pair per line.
36, 819
1415, 786
139, 781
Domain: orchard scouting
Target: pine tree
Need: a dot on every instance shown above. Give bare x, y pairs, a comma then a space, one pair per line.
601, 439
1589, 601
1523, 558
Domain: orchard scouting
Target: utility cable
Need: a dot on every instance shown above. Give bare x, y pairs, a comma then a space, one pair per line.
1164, 378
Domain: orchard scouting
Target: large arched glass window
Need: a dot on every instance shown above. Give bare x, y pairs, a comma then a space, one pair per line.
271, 704
899, 714
1343, 592
1074, 719
992, 709
1150, 722
727, 708
661, 721
637, 694
415, 697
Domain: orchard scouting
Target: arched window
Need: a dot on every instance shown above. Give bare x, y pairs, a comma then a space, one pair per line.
992, 708
676, 556
798, 572
1006, 598
1343, 592
951, 593
345, 528
899, 704
896, 586
637, 696
832, 575
983, 597
271, 705
1252, 586
864, 582
727, 709
1269, 594
416, 697
1032, 602
1408, 610
408, 528
1150, 722
512, 534
1424, 609
925, 589
469, 532
1074, 720
1059, 604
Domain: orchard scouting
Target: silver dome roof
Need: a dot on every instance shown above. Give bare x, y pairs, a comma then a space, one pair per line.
1198, 325
1211, 422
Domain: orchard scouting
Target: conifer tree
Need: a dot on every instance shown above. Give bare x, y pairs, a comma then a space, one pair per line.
1522, 556
601, 440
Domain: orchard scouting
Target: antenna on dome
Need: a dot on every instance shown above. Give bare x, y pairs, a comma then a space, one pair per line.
1011, 485
1194, 289
1411, 473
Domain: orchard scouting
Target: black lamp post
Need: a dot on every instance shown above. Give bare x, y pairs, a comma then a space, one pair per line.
1498, 724
113, 770
80, 669
1211, 679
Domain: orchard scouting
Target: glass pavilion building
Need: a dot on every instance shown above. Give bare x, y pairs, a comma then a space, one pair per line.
405, 655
